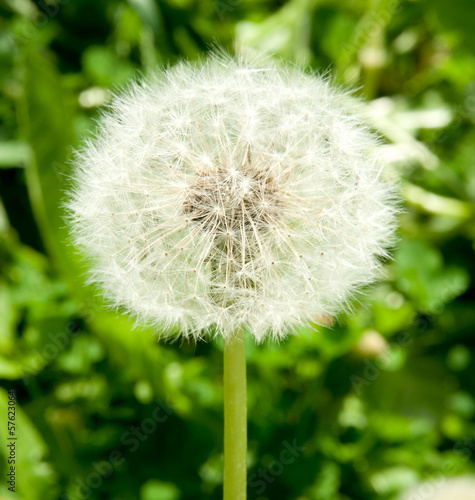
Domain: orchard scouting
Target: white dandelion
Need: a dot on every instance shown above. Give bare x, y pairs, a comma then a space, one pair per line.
229, 195
232, 193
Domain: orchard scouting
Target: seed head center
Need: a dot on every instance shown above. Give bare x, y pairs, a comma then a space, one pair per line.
230, 202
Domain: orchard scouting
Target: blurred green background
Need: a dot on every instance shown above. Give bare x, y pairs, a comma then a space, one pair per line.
368, 407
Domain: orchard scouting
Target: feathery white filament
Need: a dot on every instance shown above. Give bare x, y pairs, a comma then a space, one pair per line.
231, 193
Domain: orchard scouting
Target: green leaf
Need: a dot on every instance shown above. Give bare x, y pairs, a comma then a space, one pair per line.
421, 274
14, 154
105, 67
35, 478
457, 16
157, 490
46, 124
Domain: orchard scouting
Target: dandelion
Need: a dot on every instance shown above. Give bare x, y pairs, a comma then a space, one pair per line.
229, 195
459, 488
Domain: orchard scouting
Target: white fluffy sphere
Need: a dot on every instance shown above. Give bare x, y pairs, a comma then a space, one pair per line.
231, 193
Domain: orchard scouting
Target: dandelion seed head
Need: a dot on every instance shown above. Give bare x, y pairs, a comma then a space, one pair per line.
232, 193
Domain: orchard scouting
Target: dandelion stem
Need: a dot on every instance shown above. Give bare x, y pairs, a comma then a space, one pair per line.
235, 418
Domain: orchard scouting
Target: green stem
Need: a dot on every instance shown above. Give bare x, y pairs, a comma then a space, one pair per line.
235, 418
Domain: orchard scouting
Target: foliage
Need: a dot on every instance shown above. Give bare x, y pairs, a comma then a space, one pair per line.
361, 409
